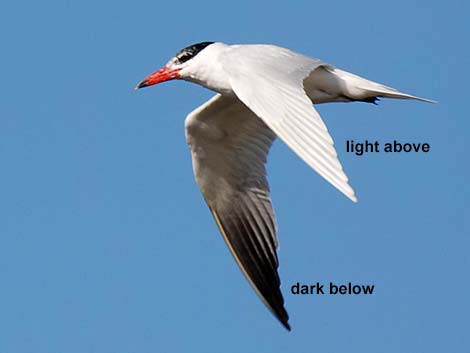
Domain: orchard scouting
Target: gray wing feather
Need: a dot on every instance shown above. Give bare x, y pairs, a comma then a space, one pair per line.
229, 146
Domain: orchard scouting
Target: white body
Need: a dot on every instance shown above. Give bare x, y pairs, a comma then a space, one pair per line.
264, 91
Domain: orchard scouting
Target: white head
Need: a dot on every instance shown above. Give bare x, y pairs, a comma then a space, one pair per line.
172, 70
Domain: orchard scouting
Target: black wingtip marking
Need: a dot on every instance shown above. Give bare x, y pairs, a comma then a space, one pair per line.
264, 282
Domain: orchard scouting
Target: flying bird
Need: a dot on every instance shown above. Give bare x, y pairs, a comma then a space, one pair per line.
263, 92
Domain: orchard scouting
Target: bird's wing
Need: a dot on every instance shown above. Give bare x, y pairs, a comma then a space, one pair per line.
269, 81
229, 146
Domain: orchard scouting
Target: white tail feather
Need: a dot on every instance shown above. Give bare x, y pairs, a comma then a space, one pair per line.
360, 88
328, 84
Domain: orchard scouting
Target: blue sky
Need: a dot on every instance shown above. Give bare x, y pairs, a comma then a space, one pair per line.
106, 244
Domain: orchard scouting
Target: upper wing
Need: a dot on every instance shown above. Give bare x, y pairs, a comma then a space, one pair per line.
229, 146
269, 81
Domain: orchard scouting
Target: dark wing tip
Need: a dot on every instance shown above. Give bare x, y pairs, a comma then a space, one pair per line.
281, 314
259, 273
284, 320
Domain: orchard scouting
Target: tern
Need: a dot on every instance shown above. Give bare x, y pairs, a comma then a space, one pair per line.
263, 92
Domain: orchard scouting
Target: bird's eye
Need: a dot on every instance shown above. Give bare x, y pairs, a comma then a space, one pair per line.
184, 57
